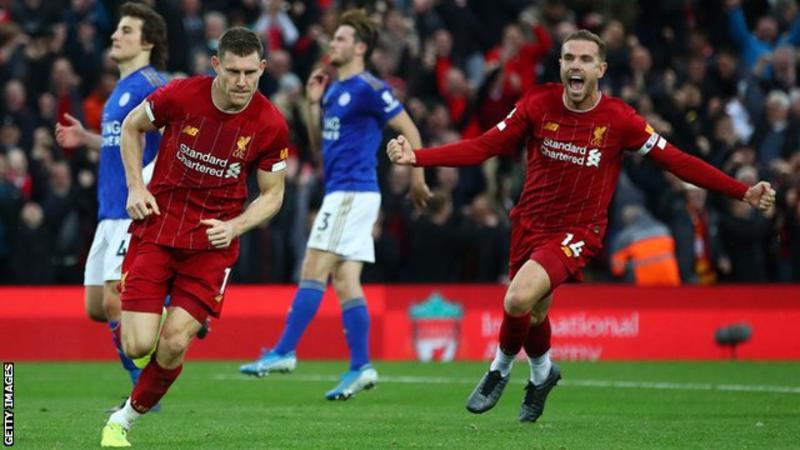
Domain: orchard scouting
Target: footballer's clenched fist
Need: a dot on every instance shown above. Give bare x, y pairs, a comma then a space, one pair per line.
400, 152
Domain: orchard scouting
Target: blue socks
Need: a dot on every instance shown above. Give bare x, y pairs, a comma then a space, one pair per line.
133, 371
355, 319
304, 306
356, 331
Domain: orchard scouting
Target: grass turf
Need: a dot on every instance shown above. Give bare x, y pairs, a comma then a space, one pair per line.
678, 405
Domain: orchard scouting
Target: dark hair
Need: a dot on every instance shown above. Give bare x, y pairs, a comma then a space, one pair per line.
240, 41
586, 35
154, 30
366, 29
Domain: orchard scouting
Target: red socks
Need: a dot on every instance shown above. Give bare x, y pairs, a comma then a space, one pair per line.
513, 331
538, 340
152, 385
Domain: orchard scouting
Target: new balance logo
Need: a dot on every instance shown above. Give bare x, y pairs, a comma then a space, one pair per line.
234, 170
190, 130
593, 159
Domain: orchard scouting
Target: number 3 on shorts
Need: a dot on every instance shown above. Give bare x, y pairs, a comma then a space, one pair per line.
324, 226
570, 248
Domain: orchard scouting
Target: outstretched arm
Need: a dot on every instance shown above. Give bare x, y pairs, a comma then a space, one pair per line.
698, 172
402, 123
271, 185
502, 139
141, 202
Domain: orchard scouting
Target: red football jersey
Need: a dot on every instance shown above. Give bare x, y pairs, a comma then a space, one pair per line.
204, 158
574, 158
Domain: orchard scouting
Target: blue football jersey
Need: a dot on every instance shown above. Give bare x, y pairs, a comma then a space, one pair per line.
355, 112
112, 190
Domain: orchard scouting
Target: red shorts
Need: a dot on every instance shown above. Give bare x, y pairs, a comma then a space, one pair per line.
194, 279
561, 254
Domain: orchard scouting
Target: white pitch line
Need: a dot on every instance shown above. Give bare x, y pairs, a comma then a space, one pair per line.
659, 385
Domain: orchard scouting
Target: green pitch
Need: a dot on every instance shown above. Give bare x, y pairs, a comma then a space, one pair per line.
705, 405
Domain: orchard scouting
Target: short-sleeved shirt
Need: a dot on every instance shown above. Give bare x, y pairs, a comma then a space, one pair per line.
204, 159
355, 112
112, 191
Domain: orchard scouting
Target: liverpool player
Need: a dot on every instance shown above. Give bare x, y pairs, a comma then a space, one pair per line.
187, 221
575, 139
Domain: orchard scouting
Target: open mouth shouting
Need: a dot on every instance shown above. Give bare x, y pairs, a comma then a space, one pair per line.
576, 82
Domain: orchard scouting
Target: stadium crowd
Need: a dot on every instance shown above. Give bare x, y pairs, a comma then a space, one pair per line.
718, 78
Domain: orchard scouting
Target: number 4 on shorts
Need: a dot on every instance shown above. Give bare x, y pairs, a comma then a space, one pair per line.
123, 248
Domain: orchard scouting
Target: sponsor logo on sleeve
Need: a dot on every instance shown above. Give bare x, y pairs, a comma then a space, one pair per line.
650, 143
285, 153
390, 101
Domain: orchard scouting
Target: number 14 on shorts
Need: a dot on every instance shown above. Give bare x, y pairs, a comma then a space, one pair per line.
571, 249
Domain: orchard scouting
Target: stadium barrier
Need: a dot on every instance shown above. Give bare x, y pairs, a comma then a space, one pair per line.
440, 322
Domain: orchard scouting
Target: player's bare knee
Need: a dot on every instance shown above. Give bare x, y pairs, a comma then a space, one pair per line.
174, 347
135, 348
96, 313
345, 288
517, 303
540, 309
111, 307
94, 306
312, 271
174, 342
